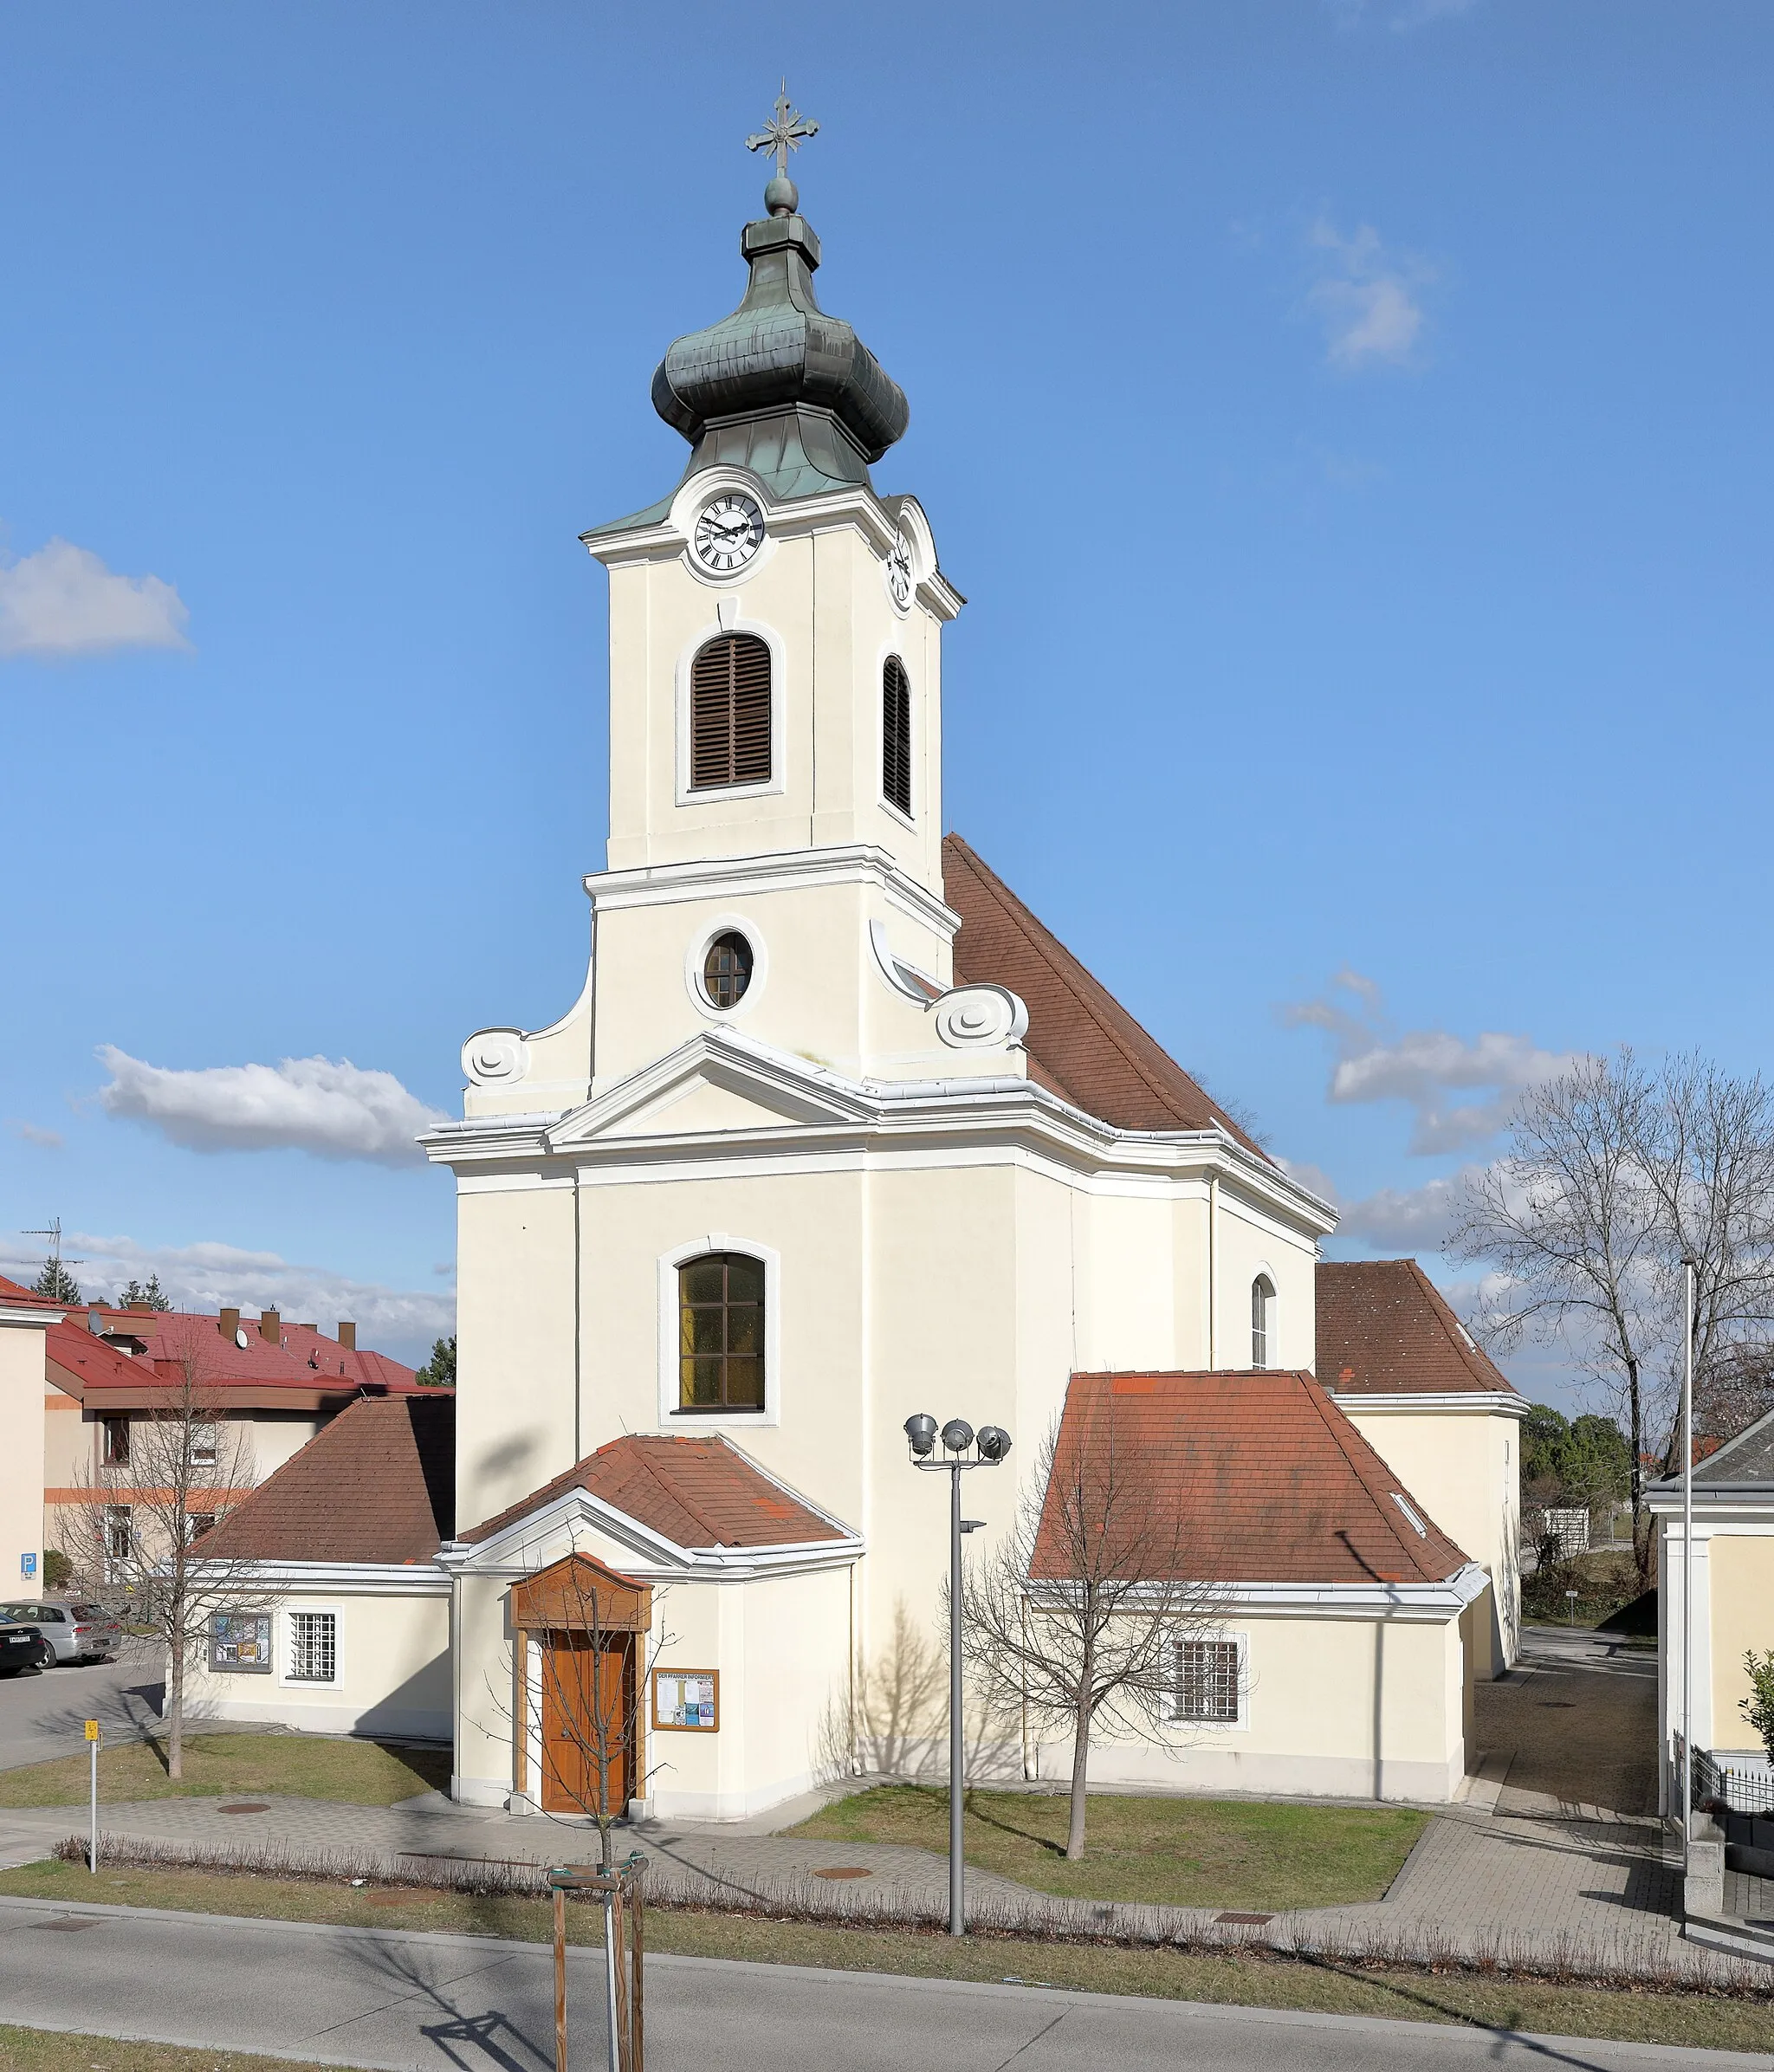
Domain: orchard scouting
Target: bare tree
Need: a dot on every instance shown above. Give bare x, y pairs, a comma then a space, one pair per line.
1613, 1174
1709, 1158
137, 1533
1080, 1612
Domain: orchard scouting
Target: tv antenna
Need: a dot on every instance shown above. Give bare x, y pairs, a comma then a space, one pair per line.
54, 1234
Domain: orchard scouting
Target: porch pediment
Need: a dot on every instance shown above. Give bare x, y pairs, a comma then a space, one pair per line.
717, 1082
579, 1594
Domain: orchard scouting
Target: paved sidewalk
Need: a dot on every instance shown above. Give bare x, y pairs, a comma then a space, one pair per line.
413, 2003
1527, 1868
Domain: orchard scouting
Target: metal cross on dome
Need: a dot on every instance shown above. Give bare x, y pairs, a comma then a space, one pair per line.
783, 132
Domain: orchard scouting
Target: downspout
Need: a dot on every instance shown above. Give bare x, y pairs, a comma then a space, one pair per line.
1213, 1272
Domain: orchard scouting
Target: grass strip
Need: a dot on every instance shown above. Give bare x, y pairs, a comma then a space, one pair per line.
50, 2050
1239, 1978
1246, 1854
357, 1773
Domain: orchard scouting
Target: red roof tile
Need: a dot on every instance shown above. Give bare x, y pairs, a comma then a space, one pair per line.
1257, 1475
1384, 1330
16, 1295
377, 1484
1082, 1043
304, 1365
694, 1493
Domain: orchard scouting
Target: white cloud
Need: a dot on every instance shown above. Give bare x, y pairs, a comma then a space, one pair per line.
34, 1134
1423, 1066
207, 1276
63, 601
1364, 298
314, 1104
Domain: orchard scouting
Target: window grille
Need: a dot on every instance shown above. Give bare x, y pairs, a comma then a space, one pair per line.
721, 1333
1262, 1309
314, 1646
727, 969
730, 713
896, 734
1207, 1679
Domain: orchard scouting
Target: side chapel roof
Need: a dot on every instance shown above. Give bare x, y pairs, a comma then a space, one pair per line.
1384, 1329
1082, 1043
1256, 1474
694, 1493
377, 1484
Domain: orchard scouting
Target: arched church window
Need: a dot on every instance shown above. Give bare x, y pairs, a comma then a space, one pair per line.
1262, 1318
727, 969
896, 734
721, 1332
730, 713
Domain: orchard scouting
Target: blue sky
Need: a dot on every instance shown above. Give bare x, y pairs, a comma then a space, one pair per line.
1348, 421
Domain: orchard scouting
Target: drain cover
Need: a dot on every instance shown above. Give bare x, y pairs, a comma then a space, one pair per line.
251, 1805
1248, 1920
844, 1870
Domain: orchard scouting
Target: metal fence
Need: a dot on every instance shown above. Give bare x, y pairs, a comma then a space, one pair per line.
1721, 1788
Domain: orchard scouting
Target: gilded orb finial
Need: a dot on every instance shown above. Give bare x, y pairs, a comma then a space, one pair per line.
784, 132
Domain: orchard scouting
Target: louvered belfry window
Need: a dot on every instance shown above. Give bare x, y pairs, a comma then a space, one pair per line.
730, 713
896, 734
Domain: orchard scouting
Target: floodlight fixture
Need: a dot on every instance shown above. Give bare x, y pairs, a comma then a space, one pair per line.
994, 1443
921, 1435
957, 1435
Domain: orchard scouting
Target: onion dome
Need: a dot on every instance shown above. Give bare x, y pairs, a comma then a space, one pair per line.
779, 387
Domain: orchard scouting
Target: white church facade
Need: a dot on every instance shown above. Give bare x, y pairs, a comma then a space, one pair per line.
836, 1132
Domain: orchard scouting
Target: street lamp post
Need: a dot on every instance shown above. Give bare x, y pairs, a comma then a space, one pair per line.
988, 1446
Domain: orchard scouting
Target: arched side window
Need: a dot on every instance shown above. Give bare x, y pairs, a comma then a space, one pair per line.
1262, 1318
896, 734
721, 1332
730, 713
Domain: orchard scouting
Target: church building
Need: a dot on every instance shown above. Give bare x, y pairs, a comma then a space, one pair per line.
836, 1132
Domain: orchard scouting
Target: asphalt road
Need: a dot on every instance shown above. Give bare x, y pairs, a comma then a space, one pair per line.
397, 2001
43, 1714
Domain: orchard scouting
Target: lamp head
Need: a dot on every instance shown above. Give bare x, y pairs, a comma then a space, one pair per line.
957, 1435
994, 1443
921, 1435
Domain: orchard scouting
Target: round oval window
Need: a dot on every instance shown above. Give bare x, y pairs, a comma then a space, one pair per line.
727, 969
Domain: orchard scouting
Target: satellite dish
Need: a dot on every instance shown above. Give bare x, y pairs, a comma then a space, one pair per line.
240, 1336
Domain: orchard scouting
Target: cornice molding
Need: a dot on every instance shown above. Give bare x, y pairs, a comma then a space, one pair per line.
1491, 1402
855, 1117
743, 876
342, 1578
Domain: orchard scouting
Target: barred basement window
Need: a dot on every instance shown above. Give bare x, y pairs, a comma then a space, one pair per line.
730, 713
721, 1332
313, 1647
1207, 1680
896, 734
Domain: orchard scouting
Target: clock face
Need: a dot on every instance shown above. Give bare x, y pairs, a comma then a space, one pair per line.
728, 532
899, 572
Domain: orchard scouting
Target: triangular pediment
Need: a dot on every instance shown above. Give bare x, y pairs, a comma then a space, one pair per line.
714, 1084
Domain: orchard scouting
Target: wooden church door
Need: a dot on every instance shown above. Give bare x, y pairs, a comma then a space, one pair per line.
590, 1719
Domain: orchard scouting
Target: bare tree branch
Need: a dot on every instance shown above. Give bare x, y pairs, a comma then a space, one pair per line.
1077, 1614
136, 1532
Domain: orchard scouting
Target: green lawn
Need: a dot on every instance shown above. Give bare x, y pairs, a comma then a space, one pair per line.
1186, 1852
361, 1773
1237, 1978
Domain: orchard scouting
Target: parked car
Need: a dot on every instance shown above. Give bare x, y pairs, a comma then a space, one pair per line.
22, 1647
75, 1633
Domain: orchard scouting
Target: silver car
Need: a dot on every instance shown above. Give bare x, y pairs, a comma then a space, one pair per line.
76, 1633
22, 1647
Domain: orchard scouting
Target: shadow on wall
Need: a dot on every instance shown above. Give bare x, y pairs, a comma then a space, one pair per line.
894, 1720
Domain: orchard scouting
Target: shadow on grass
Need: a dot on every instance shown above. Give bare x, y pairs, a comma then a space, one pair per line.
1407, 1996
